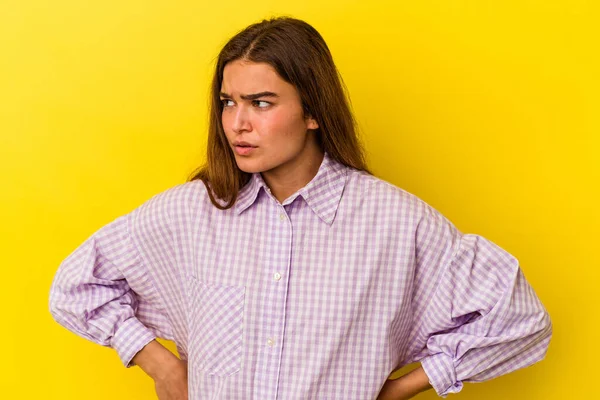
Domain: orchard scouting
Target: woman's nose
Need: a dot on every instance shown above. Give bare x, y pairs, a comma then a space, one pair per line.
241, 120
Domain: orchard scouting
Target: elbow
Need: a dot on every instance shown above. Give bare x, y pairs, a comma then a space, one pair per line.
62, 299
544, 322
547, 326
54, 305
58, 304
544, 333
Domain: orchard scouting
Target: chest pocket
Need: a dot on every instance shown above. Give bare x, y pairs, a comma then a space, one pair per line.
215, 318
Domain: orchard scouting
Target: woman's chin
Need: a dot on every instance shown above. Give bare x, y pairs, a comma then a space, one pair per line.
246, 165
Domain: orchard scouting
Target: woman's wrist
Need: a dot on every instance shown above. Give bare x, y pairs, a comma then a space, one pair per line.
405, 387
155, 360
416, 381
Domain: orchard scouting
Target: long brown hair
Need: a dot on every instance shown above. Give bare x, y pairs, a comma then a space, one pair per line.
300, 56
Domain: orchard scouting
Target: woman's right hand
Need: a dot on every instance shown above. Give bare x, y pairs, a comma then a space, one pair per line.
168, 372
173, 385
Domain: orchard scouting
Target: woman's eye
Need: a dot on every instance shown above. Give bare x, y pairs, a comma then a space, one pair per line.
265, 104
225, 101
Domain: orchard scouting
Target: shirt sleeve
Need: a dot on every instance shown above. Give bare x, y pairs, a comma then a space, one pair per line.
92, 295
482, 319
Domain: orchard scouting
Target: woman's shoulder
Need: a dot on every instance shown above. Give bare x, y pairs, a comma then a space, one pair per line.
391, 198
175, 200
378, 190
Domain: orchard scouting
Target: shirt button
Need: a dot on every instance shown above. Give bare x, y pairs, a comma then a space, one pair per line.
277, 276
282, 216
270, 342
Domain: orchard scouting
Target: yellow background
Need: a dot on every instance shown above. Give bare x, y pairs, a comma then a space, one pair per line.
487, 110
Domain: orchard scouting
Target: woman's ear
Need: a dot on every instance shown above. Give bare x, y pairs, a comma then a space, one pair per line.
311, 123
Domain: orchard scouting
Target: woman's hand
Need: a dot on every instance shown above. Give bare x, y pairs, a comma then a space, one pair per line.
168, 372
391, 390
406, 386
174, 384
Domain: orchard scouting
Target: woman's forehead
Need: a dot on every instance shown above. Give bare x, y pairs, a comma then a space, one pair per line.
243, 77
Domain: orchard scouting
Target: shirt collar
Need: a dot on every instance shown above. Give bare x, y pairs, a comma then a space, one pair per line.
322, 194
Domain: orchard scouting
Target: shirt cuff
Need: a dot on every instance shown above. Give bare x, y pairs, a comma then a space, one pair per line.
439, 368
130, 338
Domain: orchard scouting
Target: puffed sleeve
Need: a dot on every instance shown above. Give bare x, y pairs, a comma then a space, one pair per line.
481, 318
93, 294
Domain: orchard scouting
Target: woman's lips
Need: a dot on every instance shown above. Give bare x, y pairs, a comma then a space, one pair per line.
244, 150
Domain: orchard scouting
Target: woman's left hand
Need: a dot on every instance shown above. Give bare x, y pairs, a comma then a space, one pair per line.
392, 390
406, 386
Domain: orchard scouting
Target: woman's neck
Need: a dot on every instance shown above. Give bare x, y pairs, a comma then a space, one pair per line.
287, 179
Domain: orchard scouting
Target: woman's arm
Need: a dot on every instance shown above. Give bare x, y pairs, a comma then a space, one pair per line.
483, 319
168, 372
92, 297
405, 387
475, 316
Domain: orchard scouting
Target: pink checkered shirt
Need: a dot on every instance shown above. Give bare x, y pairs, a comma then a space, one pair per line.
321, 296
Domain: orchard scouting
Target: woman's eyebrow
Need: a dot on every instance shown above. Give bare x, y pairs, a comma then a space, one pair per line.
252, 96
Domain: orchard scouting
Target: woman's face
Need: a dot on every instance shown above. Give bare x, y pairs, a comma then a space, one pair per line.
263, 110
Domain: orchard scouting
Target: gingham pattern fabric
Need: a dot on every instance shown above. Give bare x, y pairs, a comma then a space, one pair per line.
321, 296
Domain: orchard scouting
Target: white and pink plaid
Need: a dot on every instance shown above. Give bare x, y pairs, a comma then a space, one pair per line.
319, 297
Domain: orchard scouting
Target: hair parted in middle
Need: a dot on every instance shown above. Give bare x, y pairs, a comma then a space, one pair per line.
300, 56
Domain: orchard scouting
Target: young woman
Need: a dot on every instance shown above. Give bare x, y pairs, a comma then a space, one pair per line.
283, 269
